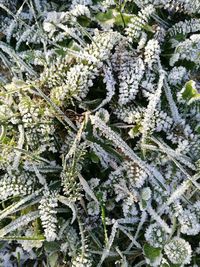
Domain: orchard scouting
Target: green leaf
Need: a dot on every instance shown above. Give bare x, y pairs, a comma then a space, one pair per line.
134, 131
194, 99
51, 247
148, 28
53, 260
153, 255
143, 204
180, 37
94, 158
198, 128
2, 132
112, 16
103, 17
106, 18
73, 46
190, 90
122, 18
190, 93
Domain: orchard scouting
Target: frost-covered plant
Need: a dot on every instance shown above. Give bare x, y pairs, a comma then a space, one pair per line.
155, 235
178, 251
47, 209
99, 133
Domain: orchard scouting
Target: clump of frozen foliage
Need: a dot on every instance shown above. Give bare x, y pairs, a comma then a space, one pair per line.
99, 133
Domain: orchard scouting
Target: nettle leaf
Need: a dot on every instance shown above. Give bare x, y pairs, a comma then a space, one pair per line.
153, 255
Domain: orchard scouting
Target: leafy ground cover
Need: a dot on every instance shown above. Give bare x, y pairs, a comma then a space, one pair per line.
99, 133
